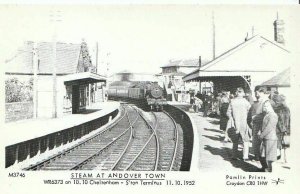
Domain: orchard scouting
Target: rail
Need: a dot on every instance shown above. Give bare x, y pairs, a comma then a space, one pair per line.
146, 144
126, 147
176, 139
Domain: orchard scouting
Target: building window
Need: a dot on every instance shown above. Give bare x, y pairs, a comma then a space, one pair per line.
82, 96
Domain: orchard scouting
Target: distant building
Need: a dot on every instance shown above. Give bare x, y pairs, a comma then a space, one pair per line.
173, 72
75, 76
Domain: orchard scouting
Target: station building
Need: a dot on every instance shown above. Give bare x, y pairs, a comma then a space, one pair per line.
172, 75
76, 78
246, 65
173, 72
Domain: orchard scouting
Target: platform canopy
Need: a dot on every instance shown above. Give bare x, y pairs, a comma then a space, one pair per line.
83, 78
280, 80
257, 55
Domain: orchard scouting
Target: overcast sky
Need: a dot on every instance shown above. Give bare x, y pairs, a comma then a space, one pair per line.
143, 38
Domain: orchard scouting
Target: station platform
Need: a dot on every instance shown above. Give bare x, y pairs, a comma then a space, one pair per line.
24, 130
212, 154
27, 139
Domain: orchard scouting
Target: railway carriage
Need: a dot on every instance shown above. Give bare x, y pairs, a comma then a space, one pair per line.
136, 93
151, 92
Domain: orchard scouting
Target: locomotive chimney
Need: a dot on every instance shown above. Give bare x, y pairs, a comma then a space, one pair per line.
199, 61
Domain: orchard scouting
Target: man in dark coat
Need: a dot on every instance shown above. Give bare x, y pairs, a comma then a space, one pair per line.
283, 125
207, 103
224, 103
256, 119
268, 137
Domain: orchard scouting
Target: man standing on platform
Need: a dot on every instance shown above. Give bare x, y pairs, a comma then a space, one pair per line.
238, 111
207, 104
256, 116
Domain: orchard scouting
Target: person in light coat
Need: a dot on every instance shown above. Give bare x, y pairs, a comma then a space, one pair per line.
238, 112
268, 137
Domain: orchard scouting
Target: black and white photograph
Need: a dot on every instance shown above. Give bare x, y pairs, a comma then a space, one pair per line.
160, 95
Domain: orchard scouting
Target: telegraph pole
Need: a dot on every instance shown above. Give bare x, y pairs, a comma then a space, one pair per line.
35, 80
214, 36
97, 57
105, 86
54, 100
54, 17
97, 71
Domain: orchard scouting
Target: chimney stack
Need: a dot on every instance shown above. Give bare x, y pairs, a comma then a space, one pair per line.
279, 30
246, 37
199, 61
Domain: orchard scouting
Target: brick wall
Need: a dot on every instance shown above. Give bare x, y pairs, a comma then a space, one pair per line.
18, 111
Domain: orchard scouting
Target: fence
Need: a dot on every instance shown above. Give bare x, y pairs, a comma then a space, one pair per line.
18, 111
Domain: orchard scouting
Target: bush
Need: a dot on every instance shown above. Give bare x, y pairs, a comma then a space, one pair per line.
17, 91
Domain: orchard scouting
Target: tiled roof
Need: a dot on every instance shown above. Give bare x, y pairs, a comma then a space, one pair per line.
179, 73
124, 71
184, 63
67, 56
257, 54
281, 79
252, 44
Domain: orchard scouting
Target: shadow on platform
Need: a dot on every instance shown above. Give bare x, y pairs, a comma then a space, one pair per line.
215, 138
225, 153
88, 111
214, 130
214, 122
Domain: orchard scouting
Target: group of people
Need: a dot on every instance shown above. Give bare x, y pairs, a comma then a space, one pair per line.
196, 103
203, 101
265, 122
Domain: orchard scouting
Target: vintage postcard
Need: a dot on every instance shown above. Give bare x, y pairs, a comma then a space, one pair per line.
149, 98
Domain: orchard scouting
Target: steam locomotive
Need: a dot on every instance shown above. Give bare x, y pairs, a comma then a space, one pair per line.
151, 93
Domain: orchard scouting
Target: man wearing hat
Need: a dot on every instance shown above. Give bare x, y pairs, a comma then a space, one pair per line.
238, 111
256, 118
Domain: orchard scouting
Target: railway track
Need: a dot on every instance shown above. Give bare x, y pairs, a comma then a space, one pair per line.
169, 141
168, 133
132, 143
85, 152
